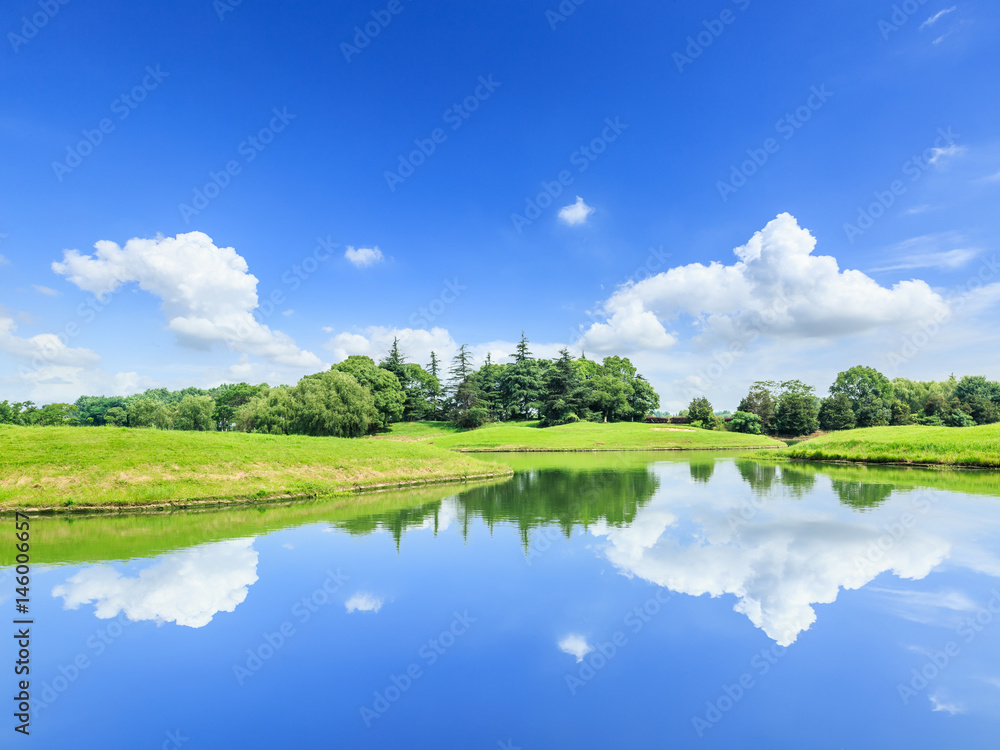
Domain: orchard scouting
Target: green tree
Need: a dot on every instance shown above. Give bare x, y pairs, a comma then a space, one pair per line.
746, 422
760, 400
57, 415
195, 413
870, 392
835, 413
979, 397
385, 388
228, 401
142, 412
116, 416
566, 395
334, 404
644, 400
272, 412
797, 411
521, 384
700, 410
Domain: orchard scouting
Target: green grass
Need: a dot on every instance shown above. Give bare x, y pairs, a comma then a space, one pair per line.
68, 467
952, 446
581, 436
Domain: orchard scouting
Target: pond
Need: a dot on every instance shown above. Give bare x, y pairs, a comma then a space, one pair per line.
591, 601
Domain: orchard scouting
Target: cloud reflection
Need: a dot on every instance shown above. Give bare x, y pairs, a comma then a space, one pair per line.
187, 588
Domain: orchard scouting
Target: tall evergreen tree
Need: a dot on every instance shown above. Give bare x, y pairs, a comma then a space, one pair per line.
521, 386
566, 396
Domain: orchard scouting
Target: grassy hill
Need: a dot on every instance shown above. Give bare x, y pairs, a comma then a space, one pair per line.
953, 446
581, 436
52, 467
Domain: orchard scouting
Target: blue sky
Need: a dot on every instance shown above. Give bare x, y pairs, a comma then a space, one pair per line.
297, 147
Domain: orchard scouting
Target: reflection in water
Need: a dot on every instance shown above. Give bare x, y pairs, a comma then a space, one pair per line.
187, 588
701, 471
529, 501
861, 495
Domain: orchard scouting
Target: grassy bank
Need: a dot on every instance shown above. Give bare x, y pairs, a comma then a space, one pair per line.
950, 446
60, 467
582, 436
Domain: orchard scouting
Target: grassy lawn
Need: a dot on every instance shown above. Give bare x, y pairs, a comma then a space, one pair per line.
80, 466
954, 446
582, 436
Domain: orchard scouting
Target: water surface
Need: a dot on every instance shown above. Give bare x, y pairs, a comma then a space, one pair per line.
592, 601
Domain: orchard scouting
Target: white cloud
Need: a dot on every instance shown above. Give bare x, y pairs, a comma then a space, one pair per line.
42, 350
45, 290
930, 251
991, 178
575, 645
575, 213
937, 17
948, 151
776, 279
3, 260
791, 555
364, 602
363, 257
207, 292
187, 588
939, 703
375, 342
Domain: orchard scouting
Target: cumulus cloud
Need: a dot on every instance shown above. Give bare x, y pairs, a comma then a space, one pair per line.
575, 213
575, 645
776, 279
207, 292
42, 350
375, 342
789, 557
363, 257
364, 602
188, 588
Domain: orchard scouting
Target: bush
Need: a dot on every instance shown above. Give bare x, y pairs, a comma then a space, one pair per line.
747, 423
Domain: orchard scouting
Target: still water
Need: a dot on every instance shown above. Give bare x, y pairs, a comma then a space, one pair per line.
592, 601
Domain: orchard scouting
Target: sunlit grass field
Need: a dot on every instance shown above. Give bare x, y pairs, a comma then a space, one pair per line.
581, 436
106, 466
957, 446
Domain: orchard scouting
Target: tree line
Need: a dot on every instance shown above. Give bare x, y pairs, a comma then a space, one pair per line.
357, 397
859, 397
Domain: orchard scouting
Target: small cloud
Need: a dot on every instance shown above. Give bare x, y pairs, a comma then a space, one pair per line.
918, 209
3, 261
576, 213
575, 645
363, 257
948, 259
948, 151
942, 38
363, 602
940, 704
45, 290
288, 312
937, 16
327, 329
988, 178
288, 546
